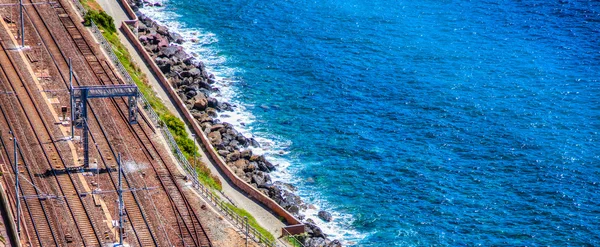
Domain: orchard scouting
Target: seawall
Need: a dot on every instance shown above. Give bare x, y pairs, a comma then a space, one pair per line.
294, 225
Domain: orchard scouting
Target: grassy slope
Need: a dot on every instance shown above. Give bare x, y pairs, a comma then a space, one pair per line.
251, 221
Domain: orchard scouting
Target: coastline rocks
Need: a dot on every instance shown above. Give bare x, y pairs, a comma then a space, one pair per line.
195, 86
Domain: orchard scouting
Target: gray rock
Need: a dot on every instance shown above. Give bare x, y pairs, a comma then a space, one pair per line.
142, 28
215, 137
242, 140
195, 72
202, 83
163, 42
211, 111
168, 51
224, 106
250, 166
181, 55
212, 102
324, 215
205, 126
162, 30
259, 179
191, 94
217, 127
233, 156
143, 38
254, 143
316, 242
240, 164
246, 154
176, 38
294, 209
205, 118
201, 104
314, 230
334, 243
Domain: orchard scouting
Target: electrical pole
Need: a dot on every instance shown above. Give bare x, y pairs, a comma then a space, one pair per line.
18, 202
71, 98
246, 219
120, 192
22, 24
194, 137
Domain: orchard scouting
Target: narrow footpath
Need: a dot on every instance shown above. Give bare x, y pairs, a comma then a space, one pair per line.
264, 217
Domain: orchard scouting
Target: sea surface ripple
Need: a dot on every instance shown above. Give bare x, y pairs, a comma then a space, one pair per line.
418, 123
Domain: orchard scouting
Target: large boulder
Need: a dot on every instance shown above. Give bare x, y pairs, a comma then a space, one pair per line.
334, 243
162, 30
284, 197
217, 127
202, 83
250, 166
176, 38
246, 154
324, 215
164, 64
168, 51
195, 72
313, 230
316, 242
260, 178
240, 164
212, 102
211, 111
205, 118
162, 42
180, 55
201, 104
233, 156
215, 137
142, 28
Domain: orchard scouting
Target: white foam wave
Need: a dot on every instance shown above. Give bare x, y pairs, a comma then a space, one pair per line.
198, 42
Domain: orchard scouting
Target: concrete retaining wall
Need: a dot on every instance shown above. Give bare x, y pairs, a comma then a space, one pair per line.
128, 10
251, 191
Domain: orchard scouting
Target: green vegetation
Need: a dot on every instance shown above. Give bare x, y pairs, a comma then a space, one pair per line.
90, 5
295, 240
101, 18
251, 221
175, 125
205, 176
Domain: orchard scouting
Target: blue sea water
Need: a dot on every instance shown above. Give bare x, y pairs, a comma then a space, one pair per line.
418, 123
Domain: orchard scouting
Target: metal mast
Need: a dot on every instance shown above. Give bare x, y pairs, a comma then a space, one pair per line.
22, 23
120, 192
71, 99
18, 201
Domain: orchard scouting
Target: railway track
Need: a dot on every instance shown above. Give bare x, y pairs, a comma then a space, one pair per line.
190, 229
37, 217
192, 232
45, 138
135, 212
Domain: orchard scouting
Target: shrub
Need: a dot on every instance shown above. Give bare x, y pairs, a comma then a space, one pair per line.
102, 19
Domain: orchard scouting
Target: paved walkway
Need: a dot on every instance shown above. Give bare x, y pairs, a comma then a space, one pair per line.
264, 217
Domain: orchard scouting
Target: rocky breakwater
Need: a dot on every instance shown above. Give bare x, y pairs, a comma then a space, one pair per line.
195, 85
